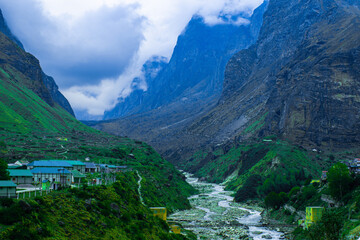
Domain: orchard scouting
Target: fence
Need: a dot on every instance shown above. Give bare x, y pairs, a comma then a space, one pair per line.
25, 194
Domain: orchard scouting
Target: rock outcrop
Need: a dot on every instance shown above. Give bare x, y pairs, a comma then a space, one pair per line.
299, 81
12, 53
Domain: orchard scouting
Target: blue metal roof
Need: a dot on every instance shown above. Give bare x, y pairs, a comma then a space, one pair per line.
50, 163
20, 173
90, 165
7, 184
44, 170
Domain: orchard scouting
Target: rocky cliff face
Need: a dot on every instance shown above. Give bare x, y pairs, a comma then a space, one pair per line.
13, 54
195, 71
299, 81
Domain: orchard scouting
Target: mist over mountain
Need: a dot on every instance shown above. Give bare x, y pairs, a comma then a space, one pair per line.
299, 81
195, 70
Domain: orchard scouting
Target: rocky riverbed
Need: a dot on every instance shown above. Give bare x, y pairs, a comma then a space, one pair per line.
215, 216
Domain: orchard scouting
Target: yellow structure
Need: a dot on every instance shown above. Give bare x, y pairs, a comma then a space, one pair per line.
315, 181
313, 215
159, 212
175, 228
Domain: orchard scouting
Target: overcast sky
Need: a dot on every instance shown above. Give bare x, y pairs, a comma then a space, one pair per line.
94, 48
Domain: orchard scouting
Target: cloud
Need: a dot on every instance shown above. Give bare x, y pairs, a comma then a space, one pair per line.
95, 48
83, 50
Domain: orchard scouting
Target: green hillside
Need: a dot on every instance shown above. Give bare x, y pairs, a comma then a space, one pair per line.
34, 126
112, 212
31, 129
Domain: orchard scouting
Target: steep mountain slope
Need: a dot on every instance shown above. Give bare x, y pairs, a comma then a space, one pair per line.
188, 86
300, 80
33, 126
45, 86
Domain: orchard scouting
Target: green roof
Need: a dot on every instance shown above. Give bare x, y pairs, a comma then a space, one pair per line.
20, 173
75, 162
7, 184
13, 166
71, 162
77, 174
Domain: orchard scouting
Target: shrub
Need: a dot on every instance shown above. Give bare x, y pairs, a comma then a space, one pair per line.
339, 181
248, 190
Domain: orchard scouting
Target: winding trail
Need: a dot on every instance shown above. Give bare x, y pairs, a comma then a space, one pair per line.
216, 216
65, 151
139, 188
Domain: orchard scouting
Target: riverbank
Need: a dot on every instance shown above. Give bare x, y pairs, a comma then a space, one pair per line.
214, 215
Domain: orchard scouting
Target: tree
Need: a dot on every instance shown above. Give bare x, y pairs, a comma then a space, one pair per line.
339, 181
248, 190
4, 174
328, 228
273, 200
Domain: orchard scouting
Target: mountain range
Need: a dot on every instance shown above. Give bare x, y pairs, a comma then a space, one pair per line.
297, 79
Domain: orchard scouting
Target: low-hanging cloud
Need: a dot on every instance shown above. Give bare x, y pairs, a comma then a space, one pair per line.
83, 51
95, 55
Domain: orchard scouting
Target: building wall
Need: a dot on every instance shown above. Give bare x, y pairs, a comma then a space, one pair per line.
38, 177
22, 180
80, 168
8, 192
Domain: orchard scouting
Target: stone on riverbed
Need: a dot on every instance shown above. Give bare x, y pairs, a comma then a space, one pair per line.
266, 236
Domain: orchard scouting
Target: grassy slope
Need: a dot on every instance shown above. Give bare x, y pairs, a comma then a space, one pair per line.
113, 212
30, 128
236, 164
264, 158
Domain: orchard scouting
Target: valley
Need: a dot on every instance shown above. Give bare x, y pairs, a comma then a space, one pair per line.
214, 215
262, 118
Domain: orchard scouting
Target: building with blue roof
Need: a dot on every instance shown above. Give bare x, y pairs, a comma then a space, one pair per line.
57, 176
90, 167
50, 164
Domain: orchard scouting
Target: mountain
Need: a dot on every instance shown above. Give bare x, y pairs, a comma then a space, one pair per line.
34, 126
195, 70
135, 101
185, 88
299, 81
14, 56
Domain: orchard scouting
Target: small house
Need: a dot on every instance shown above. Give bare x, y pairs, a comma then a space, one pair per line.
324, 176
22, 162
77, 165
159, 212
175, 228
7, 189
21, 176
313, 215
354, 166
90, 167
76, 177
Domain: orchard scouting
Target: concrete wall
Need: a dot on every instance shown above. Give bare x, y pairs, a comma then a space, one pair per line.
22, 180
38, 177
8, 192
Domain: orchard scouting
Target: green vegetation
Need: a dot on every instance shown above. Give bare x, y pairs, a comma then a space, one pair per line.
30, 129
4, 174
339, 181
280, 165
101, 212
342, 216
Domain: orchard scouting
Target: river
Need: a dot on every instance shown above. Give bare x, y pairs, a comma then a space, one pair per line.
215, 216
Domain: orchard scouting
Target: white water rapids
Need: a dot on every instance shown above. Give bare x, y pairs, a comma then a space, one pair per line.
215, 216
